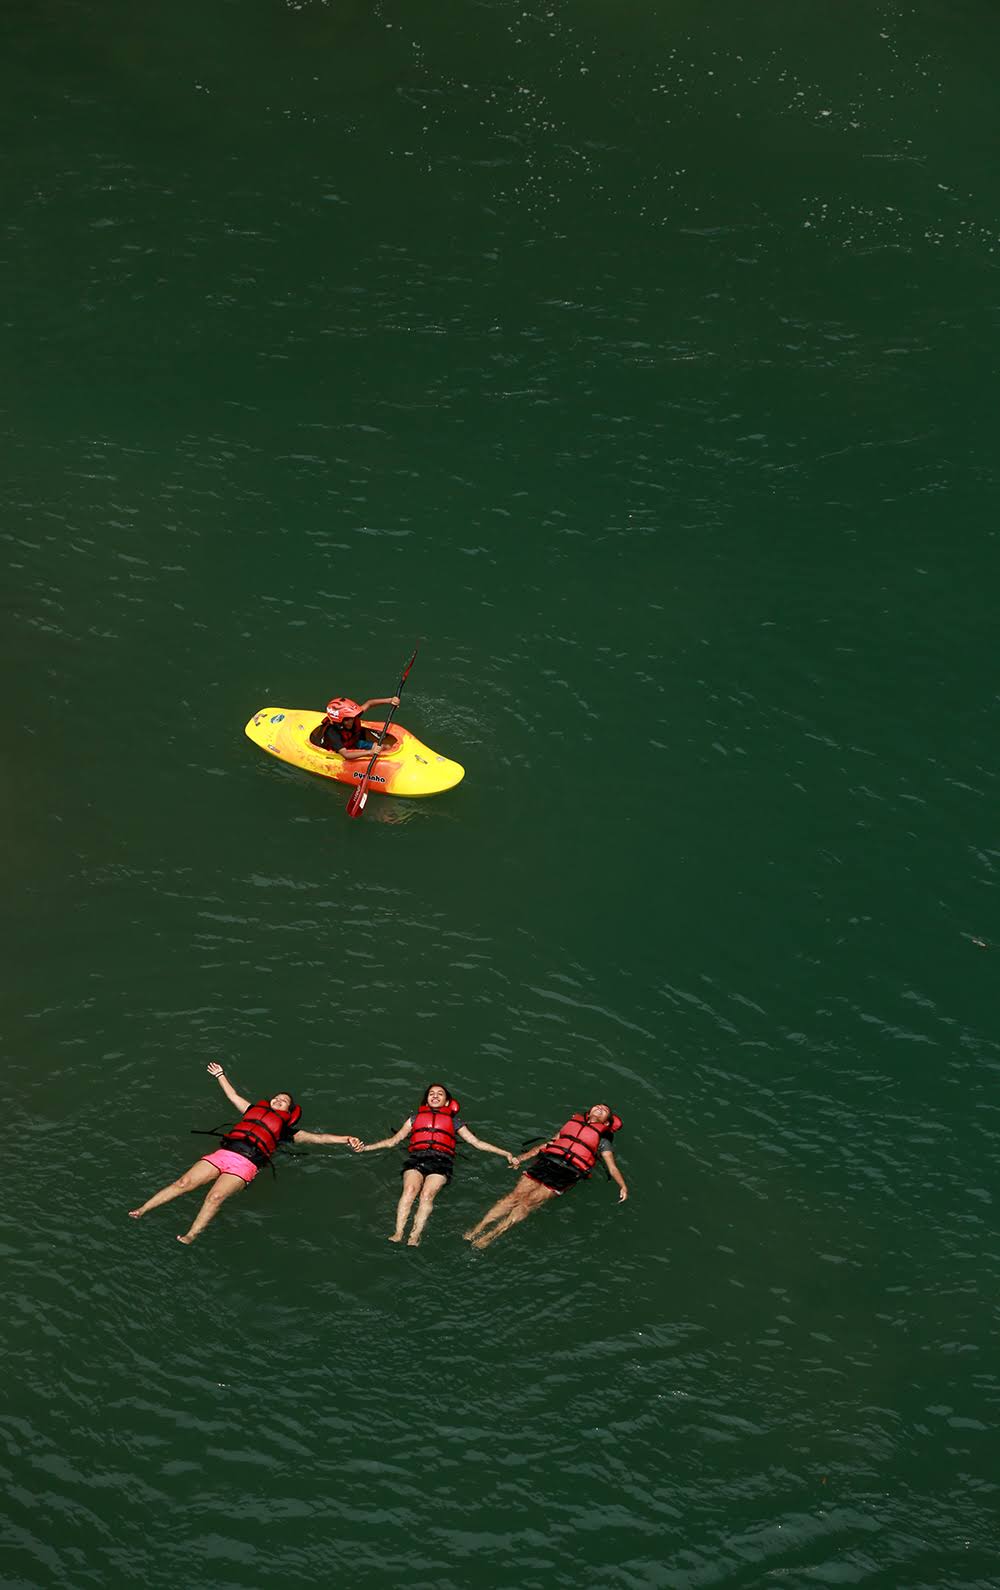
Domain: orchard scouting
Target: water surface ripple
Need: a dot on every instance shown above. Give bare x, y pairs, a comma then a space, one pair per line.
641, 370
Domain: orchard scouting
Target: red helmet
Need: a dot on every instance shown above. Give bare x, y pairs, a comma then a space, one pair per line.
341, 707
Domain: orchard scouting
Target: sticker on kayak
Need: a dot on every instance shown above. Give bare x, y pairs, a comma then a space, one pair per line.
279, 717
373, 778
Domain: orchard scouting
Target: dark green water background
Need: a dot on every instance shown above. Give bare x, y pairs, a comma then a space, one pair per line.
642, 360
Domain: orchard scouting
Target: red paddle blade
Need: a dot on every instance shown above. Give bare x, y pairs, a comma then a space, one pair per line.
356, 804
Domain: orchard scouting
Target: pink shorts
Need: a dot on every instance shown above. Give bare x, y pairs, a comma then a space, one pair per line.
232, 1164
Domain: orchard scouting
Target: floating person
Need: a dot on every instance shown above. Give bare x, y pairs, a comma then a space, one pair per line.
245, 1149
566, 1159
342, 729
434, 1130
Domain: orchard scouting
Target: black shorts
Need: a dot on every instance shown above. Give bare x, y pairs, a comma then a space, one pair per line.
430, 1165
554, 1173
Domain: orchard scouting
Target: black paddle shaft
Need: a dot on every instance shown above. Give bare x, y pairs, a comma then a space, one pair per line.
355, 805
399, 691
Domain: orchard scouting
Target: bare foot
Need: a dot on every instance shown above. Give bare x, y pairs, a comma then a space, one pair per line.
397, 1236
481, 1242
470, 1235
135, 1214
187, 1241
413, 1242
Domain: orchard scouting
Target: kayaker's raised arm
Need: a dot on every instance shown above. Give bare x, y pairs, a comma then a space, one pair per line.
379, 701
215, 1070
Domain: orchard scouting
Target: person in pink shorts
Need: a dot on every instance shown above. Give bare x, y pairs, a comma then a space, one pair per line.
247, 1147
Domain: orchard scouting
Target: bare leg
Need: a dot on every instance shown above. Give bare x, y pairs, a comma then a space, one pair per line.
532, 1199
413, 1180
201, 1172
499, 1208
223, 1189
432, 1186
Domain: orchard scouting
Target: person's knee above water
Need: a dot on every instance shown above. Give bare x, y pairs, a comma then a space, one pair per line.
342, 729
567, 1158
434, 1129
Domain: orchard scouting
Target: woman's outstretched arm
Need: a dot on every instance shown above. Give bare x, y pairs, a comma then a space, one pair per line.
327, 1137
468, 1136
215, 1070
531, 1152
615, 1174
388, 1142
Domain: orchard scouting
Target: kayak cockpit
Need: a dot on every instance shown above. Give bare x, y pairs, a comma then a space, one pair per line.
389, 747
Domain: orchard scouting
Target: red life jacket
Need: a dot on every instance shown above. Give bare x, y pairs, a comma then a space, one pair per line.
262, 1128
578, 1143
433, 1131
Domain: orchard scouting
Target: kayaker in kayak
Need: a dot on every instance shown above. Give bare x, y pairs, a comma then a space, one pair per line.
244, 1150
566, 1159
342, 729
433, 1129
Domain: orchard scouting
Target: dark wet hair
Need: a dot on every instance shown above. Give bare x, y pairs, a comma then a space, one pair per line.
430, 1085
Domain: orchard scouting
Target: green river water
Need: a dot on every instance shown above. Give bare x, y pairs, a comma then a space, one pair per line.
640, 362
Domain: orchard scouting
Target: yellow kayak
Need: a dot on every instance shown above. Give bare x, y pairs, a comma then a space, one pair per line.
405, 767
